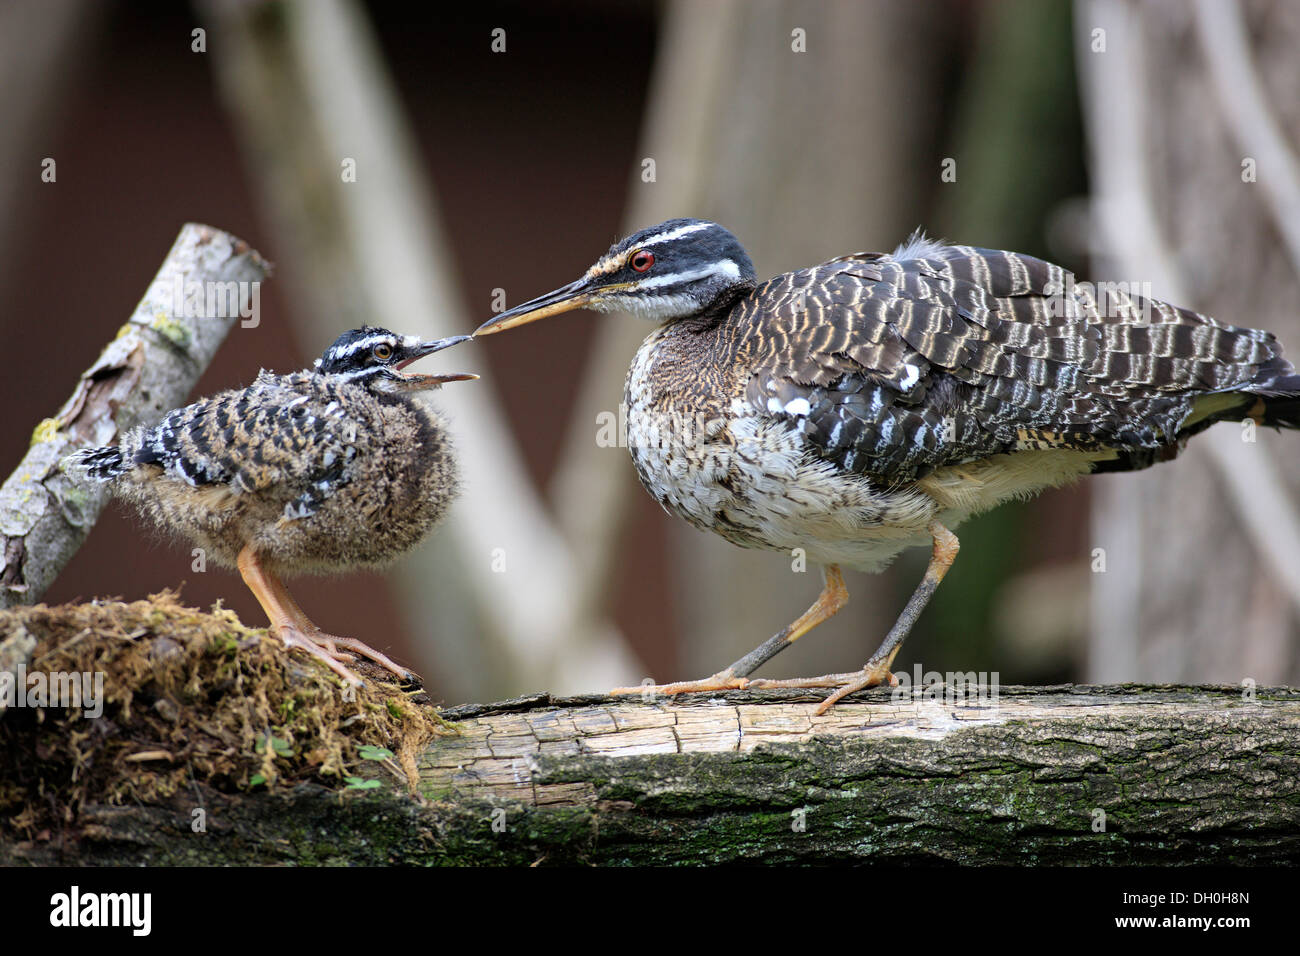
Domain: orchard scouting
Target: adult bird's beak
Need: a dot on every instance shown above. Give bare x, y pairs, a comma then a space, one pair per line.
411, 382
575, 295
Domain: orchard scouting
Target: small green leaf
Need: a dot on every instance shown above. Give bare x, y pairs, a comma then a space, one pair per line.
281, 746
371, 752
256, 780
357, 783
395, 711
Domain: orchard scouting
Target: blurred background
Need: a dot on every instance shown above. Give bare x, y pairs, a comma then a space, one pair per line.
501, 146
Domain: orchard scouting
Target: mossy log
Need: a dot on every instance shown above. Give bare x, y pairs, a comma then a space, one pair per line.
1066, 775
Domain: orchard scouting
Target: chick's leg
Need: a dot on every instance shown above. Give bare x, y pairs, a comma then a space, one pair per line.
296, 629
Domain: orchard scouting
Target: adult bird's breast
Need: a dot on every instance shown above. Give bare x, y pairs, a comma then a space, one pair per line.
708, 455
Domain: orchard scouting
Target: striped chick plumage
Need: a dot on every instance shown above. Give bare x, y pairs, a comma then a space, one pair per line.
327, 469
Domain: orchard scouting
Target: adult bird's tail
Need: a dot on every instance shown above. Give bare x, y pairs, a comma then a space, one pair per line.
100, 464
1278, 388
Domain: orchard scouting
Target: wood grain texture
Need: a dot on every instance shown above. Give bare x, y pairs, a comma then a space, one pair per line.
1182, 775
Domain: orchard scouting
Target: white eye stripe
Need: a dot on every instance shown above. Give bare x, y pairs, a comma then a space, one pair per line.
723, 267
361, 345
611, 263
361, 373
677, 233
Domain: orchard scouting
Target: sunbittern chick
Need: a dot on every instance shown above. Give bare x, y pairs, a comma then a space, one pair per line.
874, 402
328, 469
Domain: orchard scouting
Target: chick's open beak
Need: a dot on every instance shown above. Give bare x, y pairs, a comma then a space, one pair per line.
413, 382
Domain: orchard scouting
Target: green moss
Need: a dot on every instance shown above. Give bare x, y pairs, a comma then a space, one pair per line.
175, 331
243, 714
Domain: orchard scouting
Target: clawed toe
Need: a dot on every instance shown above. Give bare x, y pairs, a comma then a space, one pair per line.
869, 676
850, 683
368, 652
321, 650
326, 648
709, 685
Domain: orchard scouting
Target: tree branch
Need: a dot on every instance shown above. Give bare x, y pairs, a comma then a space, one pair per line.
148, 369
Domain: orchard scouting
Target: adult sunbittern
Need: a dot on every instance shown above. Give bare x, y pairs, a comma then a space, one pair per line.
327, 469
874, 402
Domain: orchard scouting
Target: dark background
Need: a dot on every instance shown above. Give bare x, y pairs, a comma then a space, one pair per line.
530, 155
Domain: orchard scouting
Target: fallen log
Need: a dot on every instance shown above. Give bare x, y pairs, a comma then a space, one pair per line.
1072, 774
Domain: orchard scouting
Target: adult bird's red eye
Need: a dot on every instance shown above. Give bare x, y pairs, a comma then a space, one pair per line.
643, 260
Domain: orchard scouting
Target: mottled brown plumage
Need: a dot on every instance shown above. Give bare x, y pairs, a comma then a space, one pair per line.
875, 401
328, 469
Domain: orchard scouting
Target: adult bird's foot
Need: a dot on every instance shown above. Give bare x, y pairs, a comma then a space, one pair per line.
850, 683
870, 676
724, 680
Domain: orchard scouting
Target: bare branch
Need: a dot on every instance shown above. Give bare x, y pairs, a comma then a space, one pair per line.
148, 369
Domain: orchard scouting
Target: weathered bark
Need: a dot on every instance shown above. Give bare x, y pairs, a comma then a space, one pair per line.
149, 368
1177, 774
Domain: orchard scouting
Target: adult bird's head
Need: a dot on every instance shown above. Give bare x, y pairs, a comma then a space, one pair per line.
679, 268
374, 358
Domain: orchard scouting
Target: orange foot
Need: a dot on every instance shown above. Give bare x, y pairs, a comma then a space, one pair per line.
870, 676
723, 680
325, 648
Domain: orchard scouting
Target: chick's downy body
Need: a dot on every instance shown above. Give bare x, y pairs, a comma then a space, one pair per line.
317, 474
332, 468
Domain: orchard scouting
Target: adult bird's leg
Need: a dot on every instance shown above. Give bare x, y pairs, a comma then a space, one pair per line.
296, 629
877, 670
833, 597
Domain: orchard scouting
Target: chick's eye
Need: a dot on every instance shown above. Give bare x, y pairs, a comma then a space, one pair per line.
382, 352
642, 260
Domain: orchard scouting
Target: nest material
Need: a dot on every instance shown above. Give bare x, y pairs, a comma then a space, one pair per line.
188, 697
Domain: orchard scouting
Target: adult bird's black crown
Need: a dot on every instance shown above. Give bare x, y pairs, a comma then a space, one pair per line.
678, 269
327, 469
875, 401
